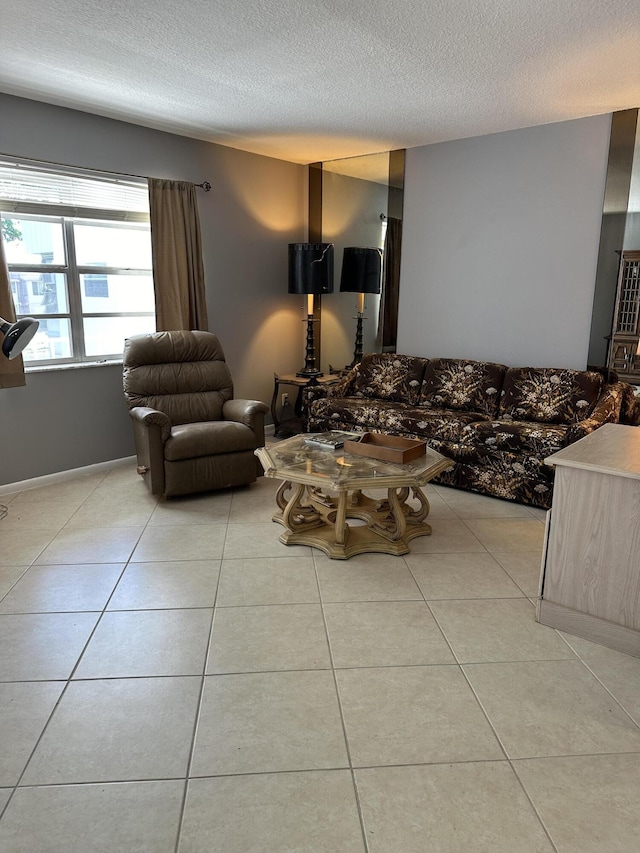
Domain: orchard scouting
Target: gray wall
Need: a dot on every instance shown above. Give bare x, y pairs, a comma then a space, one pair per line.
63, 420
67, 419
500, 245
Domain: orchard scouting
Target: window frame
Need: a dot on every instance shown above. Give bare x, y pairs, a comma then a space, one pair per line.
73, 272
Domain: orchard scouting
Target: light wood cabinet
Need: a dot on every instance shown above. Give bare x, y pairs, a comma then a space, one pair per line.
590, 582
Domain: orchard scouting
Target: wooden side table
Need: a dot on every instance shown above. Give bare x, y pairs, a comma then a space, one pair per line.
294, 424
590, 583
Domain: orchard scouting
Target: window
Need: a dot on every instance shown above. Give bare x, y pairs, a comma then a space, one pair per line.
79, 256
96, 285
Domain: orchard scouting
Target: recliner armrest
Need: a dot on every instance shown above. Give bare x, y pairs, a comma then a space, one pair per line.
148, 417
248, 412
251, 413
151, 429
607, 411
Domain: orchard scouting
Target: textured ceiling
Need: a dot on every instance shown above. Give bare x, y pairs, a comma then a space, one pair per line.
307, 81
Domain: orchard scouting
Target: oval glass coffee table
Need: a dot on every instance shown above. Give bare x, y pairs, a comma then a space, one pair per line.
322, 488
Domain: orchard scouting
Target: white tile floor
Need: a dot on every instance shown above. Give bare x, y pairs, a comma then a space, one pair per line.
174, 679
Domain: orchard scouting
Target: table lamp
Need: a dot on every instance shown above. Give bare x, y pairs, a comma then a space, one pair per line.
17, 335
310, 273
361, 273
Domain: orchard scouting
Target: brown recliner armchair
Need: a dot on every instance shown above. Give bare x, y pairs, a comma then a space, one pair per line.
190, 434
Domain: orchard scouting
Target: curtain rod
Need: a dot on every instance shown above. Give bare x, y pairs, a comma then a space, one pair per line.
25, 161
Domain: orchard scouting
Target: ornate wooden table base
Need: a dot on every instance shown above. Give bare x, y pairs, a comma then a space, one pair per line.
322, 488
313, 517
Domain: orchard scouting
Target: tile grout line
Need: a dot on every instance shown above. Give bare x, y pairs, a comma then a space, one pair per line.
533, 806
510, 762
16, 582
489, 722
334, 670
513, 580
240, 774
198, 712
604, 687
340, 710
68, 680
350, 667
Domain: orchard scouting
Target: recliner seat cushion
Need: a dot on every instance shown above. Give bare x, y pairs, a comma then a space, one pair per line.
188, 441
387, 376
463, 385
549, 395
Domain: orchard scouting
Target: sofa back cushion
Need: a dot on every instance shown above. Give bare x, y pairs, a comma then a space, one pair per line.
549, 395
454, 383
388, 376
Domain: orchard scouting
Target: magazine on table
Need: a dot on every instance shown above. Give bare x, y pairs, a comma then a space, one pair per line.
332, 441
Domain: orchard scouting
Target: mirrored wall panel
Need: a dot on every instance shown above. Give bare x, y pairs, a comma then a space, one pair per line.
615, 327
359, 194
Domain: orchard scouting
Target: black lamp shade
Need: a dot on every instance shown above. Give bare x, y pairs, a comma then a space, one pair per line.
361, 270
311, 268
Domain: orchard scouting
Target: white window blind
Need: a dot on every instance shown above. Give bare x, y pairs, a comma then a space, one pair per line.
70, 193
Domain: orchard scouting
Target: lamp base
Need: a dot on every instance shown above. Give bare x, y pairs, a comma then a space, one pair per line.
357, 352
310, 370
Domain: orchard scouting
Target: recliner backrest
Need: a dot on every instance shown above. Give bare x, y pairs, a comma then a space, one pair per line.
183, 374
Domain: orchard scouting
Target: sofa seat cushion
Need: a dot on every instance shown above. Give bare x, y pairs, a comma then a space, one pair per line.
549, 395
511, 476
387, 376
208, 438
463, 385
383, 416
536, 439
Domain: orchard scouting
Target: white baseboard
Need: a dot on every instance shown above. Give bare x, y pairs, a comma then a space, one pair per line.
62, 476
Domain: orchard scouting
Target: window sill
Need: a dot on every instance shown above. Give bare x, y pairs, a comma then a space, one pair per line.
78, 365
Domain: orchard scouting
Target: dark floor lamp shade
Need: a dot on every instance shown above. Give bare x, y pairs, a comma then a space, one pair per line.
361, 273
311, 268
310, 274
361, 270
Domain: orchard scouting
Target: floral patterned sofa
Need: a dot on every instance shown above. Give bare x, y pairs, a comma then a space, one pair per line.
496, 423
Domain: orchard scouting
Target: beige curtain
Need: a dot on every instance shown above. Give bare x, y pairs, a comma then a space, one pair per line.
388, 314
11, 372
178, 272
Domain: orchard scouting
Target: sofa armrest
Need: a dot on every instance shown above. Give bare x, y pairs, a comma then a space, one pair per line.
630, 412
248, 412
315, 391
607, 411
346, 386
